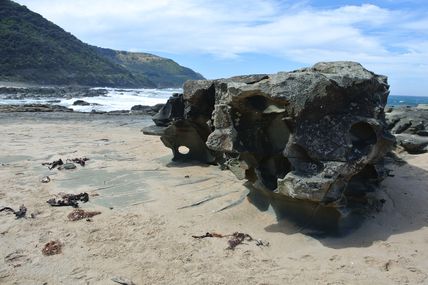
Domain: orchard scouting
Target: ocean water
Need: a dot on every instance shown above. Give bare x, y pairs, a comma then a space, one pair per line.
115, 99
124, 99
394, 100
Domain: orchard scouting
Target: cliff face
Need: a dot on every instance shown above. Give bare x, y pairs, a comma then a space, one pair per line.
34, 50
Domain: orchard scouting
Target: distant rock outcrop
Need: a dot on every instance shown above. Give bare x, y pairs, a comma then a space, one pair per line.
316, 134
410, 127
33, 108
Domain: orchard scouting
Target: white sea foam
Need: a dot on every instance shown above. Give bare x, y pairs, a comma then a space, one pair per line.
115, 99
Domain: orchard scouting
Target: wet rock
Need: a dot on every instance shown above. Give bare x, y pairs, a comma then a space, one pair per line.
81, 103
146, 110
316, 134
33, 108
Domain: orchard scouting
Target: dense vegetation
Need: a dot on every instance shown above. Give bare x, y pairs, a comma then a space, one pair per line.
32, 49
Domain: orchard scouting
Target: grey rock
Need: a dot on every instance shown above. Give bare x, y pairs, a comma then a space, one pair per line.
154, 130
33, 108
173, 109
81, 103
317, 134
69, 166
410, 127
413, 144
146, 110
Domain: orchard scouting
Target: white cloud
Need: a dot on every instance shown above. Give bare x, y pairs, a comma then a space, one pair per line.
388, 41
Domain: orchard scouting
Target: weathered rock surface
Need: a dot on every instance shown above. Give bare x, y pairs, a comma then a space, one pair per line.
410, 127
317, 134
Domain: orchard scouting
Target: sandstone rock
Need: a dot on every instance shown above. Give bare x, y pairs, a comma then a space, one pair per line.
316, 134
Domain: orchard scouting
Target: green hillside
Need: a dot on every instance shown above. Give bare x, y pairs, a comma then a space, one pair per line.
34, 50
163, 72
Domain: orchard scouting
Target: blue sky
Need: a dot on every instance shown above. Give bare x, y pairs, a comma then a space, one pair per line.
225, 38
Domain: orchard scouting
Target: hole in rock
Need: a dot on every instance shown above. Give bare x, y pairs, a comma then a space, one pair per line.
257, 102
183, 149
273, 168
362, 135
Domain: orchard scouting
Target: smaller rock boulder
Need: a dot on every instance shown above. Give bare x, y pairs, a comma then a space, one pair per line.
81, 103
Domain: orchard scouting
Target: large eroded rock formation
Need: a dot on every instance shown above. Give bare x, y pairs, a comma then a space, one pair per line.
316, 134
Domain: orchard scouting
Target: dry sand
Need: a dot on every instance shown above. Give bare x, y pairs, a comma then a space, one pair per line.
142, 236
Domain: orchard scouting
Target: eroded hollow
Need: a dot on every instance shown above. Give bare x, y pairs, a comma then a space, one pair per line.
301, 161
272, 168
363, 182
257, 102
362, 135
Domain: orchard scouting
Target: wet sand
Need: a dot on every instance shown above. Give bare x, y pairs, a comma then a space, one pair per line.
144, 232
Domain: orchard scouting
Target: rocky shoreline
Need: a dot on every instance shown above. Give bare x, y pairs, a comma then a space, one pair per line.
137, 109
37, 92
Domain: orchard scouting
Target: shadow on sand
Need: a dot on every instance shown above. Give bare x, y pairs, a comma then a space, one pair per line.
404, 209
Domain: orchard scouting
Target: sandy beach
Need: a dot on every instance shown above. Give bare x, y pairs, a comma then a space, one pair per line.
144, 232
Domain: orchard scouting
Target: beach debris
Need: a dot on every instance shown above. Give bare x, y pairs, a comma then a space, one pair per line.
208, 234
69, 200
234, 240
238, 238
81, 161
18, 214
260, 242
79, 214
122, 280
52, 248
68, 165
46, 179
53, 164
